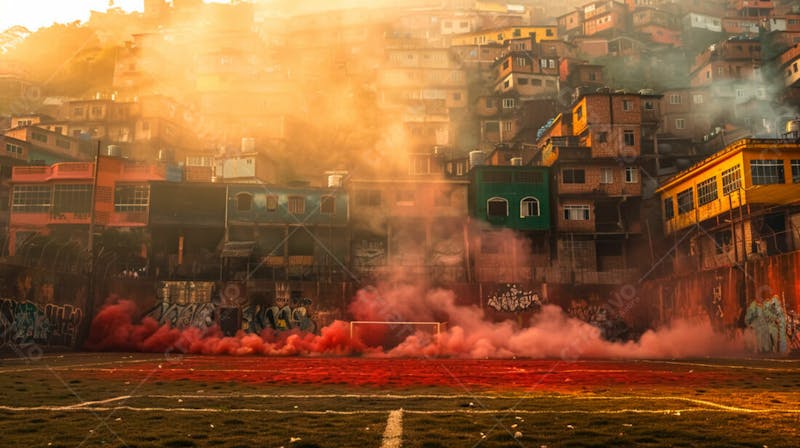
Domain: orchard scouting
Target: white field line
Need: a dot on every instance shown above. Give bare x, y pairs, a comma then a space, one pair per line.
81, 367
368, 412
393, 435
725, 366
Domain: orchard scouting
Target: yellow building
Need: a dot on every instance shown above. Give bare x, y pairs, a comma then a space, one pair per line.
499, 35
739, 200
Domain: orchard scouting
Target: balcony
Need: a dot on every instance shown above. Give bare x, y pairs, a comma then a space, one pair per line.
58, 171
563, 149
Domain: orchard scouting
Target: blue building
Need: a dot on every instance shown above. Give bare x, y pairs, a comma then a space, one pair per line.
286, 232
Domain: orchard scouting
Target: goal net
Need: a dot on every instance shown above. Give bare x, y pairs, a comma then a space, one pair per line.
389, 334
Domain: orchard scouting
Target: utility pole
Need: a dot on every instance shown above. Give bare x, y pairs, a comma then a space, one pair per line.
90, 289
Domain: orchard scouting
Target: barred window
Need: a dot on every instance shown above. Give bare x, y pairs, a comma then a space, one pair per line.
72, 198
669, 209
501, 177
131, 198
731, 180
707, 191
297, 205
31, 198
272, 203
529, 177
327, 205
765, 172
685, 201
796, 171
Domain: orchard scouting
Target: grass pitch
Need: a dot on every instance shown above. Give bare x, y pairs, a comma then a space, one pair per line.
143, 400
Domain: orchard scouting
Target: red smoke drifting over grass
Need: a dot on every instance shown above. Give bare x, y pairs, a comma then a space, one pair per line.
550, 334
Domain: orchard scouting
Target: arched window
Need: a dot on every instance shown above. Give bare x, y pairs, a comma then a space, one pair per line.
496, 207
244, 202
528, 207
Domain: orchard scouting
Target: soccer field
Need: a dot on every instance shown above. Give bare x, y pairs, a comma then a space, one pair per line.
117, 399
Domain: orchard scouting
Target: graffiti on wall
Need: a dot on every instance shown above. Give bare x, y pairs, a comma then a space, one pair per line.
199, 315
284, 314
769, 321
603, 316
514, 299
24, 322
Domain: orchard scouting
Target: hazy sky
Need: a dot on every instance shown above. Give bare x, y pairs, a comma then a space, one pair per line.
34, 14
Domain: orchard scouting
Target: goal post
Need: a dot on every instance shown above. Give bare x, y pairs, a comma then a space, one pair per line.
435, 326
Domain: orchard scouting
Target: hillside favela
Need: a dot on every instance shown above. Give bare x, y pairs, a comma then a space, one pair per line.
492, 203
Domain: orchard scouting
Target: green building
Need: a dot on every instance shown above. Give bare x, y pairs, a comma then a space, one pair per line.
516, 197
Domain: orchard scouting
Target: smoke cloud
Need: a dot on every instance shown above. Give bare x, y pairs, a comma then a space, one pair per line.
467, 334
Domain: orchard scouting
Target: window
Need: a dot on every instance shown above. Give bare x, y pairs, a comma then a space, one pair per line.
244, 202
97, 110
38, 136
31, 199
707, 191
420, 165
370, 198
731, 180
648, 105
630, 140
505, 64
607, 176
457, 96
722, 241
521, 62
297, 205
327, 205
685, 201
13, 149
627, 105
602, 137
576, 212
271, 203
765, 172
669, 209
631, 174
579, 112
675, 99
496, 177
522, 81
63, 144
796, 171
508, 103
131, 198
77, 111
76, 198
680, 123
496, 207
697, 99
530, 177
528, 207
506, 83
573, 176
508, 126
405, 198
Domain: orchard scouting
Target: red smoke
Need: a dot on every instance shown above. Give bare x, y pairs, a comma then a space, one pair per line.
550, 334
